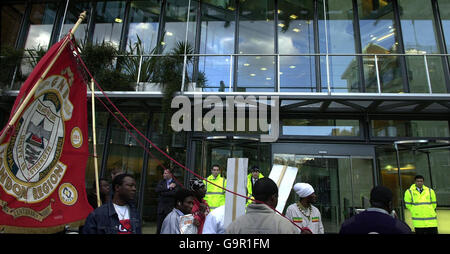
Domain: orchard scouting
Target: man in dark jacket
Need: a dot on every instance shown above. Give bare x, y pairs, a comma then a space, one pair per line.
376, 219
166, 190
118, 216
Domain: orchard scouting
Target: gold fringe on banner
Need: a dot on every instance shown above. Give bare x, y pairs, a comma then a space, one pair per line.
46, 230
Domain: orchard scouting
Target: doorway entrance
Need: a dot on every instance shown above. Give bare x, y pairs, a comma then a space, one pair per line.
401, 162
341, 179
217, 149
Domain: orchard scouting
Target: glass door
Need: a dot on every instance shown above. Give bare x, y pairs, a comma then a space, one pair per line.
217, 150
342, 184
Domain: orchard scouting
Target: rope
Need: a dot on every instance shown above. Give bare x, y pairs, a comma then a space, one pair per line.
156, 147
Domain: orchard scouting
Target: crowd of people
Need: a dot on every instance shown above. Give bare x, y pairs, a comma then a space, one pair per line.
203, 205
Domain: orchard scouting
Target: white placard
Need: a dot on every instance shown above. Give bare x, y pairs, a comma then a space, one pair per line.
284, 177
237, 183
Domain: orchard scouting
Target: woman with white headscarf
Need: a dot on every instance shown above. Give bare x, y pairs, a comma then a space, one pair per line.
303, 213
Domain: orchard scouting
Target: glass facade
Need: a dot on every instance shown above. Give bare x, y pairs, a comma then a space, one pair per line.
261, 46
298, 49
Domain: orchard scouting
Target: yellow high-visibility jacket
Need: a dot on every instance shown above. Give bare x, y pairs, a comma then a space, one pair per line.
249, 187
422, 206
215, 196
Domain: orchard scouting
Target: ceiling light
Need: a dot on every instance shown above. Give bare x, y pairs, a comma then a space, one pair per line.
281, 25
292, 66
169, 34
385, 37
246, 64
296, 30
293, 16
118, 20
252, 74
264, 69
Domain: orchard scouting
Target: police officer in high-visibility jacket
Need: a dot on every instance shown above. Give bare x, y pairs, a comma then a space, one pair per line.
421, 202
252, 177
215, 196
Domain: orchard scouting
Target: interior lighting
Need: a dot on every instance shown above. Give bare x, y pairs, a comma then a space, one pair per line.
281, 25
264, 69
292, 67
169, 34
246, 64
385, 37
293, 16
268, 78
118, 20
296, 30
252, 74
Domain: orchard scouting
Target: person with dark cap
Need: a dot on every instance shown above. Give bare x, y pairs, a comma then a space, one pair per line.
376, 219
261, 217
252, 177
201, 208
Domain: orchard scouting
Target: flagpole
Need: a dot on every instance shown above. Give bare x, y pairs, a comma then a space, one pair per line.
94, 138
44, 74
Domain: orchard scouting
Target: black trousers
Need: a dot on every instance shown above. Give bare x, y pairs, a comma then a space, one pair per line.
424, 231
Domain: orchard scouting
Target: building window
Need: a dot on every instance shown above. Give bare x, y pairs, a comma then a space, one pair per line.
339, 34
419, 37
144, 23
11, 17
73, 13
379, 36
108, 22
410, 128
321, 127
217, 37
296, 36
256, 36
444, 11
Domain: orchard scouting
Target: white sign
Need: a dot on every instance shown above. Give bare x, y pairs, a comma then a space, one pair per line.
237, 183
284, 177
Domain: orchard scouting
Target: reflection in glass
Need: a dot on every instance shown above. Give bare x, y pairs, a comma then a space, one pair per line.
217, 73
108, 22
321, 127
444, 12
73, 12
256, 36
101, 119
343, 70
410, 128
217, 37
296, 36
42, 17
175, 24
125, 152
419, 37
256, 73
379, 36
411, 164
11, 17
297, 74
143, 18
440, 166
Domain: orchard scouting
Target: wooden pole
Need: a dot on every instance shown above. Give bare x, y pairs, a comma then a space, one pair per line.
44, 74
94, 142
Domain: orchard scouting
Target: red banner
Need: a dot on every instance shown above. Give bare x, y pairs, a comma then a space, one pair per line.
43, 158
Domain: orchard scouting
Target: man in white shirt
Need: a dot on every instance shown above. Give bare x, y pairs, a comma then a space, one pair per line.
303, 213
214, 221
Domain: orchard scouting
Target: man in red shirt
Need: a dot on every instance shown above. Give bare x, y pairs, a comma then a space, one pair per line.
201, 207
